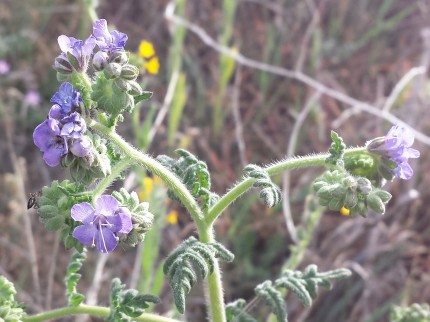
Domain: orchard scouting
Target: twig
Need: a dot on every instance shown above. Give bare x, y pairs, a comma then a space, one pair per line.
236, 115
297, 75
401, 85
292, 142
19, 172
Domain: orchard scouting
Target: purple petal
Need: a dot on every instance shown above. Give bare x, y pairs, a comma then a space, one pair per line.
100, 29
86, 234
81, 147
83, 212
107, 241
121, 221
404, 171
42, 136
53, 155
119, 39
88, 47
64, 43
106, 205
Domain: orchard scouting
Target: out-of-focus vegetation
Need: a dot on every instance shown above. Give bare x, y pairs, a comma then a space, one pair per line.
228, 114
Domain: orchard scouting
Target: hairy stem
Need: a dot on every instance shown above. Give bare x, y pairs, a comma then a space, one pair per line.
246, 183
214, 291
106, 181
154, 166
92, 310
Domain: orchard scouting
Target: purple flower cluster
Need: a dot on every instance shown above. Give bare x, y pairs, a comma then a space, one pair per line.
76, 53
63, 127
396, 147
103, 225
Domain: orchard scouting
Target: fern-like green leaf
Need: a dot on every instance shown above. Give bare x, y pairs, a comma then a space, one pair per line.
127, 304
414, 313
193, 173
273, 298
72, 278
270, 192
337, 150
305, 284
178, 267
235, 312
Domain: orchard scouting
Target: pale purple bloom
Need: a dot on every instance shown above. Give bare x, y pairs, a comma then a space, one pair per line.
74, 126
108, 41
47, 138
81, 147
80, 50
396, 147
102, 225
67, 98
32, 98
4, 67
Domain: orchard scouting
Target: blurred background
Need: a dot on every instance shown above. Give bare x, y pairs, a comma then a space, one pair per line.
353, 66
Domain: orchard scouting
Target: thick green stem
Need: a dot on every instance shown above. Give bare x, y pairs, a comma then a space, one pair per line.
92, 310
214, 291
246, 183
106, 181
154, 166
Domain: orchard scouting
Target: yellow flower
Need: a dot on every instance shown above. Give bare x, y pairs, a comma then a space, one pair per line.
345, 211
172, 217
152, 65
148, 186
146, 49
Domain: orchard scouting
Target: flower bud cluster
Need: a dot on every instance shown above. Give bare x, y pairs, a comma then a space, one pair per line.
338, 189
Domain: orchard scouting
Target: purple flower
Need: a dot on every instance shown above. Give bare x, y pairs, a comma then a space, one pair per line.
108, 41
396, 147
74, 126
67, 99
47, 138
4, 67
101, 225
77, 48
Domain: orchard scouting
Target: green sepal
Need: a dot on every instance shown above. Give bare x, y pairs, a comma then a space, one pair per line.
362, 164
141, 218
143, 97
127, 304
81, 82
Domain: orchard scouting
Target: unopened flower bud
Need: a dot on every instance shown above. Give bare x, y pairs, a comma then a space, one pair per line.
81, 147
121, 85
112, 71
62, 65
100, 60
364, 185
119, 57
375, 203
129, 72
135, 88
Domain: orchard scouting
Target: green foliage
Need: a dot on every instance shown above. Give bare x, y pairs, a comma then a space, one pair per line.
305, 284
337, 150
273, 298
141, 218
146, 95
337, 189
10, 310
176, 108
55, 204
193, 173
270, 192
127, 304
179, 266
235, 312
414, 313
72, 278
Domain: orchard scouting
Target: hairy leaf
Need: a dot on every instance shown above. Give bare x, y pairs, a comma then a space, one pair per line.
235, 312
337, 149
72, 278
178, 267
270, 192
273, 298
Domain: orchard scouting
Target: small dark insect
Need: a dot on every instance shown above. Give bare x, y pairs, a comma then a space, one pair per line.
32, 201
